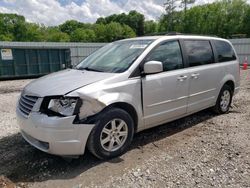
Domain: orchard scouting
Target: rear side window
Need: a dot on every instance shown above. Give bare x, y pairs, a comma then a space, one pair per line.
224, 51
199, 52
169, 53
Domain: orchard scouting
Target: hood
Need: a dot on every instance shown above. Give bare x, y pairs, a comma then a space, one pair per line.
63, 82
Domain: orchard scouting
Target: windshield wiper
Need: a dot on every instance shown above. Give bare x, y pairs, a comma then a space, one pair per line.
89, 69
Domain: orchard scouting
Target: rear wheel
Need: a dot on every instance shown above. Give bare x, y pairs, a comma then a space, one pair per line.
224, 100
112, 134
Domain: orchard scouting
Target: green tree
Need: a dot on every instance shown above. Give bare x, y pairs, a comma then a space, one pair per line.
128, 32
83, 35
101, 20
136, 21
133, 19
168, 18
112, 31
185, 3
100, 32
245, 27
53, 34
70, 26
34, 32
221, 18
150, 27
12, 26
6, 37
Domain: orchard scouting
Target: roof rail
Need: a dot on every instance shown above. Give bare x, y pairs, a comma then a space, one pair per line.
190, 34
177, 33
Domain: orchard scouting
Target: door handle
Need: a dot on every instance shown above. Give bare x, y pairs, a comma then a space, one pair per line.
182, 78
195, 75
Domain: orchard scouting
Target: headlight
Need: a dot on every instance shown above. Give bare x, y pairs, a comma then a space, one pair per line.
63, 106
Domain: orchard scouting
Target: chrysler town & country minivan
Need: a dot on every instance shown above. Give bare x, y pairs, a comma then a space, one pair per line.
125, 87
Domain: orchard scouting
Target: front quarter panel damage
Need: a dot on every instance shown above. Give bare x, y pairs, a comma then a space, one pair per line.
90, 107
96, 97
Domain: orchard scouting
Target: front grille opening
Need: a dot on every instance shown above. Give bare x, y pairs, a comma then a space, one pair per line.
26, 103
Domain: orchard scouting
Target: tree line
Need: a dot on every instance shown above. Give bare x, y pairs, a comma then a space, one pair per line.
223, 18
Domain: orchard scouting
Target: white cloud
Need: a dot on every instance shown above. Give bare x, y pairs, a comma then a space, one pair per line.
149, 8
6, 10
51, 12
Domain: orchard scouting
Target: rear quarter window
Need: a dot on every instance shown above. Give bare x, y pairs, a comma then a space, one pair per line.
225, 51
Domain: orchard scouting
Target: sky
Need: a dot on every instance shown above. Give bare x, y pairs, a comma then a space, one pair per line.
55, 12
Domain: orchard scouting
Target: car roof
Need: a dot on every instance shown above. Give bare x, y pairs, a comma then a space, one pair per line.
178, 36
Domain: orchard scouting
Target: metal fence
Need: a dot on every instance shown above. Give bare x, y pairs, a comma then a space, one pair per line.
78, 51
242, 47
26, 59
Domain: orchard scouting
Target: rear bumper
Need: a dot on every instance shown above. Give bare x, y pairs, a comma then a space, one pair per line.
55, 135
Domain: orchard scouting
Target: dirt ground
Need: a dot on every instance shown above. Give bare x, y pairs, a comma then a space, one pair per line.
201, 150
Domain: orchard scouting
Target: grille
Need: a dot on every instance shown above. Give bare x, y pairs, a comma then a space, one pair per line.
26, 104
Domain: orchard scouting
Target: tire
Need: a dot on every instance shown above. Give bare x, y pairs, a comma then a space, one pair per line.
226, 94
115, 127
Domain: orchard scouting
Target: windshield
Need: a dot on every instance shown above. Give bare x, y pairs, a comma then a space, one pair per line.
115, 57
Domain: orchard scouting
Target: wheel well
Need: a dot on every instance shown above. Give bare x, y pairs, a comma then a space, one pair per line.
230, 83
128, 108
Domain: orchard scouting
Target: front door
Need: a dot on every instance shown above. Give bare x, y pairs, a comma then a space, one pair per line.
165, 94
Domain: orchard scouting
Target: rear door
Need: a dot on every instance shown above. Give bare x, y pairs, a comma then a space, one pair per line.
165, 94
205, 74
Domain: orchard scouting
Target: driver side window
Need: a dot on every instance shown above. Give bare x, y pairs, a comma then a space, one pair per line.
169, 53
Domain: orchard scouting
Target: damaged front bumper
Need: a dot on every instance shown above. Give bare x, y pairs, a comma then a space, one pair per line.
55, 135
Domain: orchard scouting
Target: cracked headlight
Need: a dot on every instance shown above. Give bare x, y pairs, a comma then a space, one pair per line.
63, 106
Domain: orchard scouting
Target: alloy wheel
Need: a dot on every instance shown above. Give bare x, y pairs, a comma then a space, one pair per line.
114, 135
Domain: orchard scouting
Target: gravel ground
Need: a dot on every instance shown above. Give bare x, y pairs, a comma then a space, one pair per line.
201, 150
9, 92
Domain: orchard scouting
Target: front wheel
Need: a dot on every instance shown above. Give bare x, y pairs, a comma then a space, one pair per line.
224, 100
112, 134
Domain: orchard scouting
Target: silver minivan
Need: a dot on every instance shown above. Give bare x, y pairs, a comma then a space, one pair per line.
125, 87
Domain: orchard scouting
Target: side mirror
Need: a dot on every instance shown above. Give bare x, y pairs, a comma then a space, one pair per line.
151, 67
